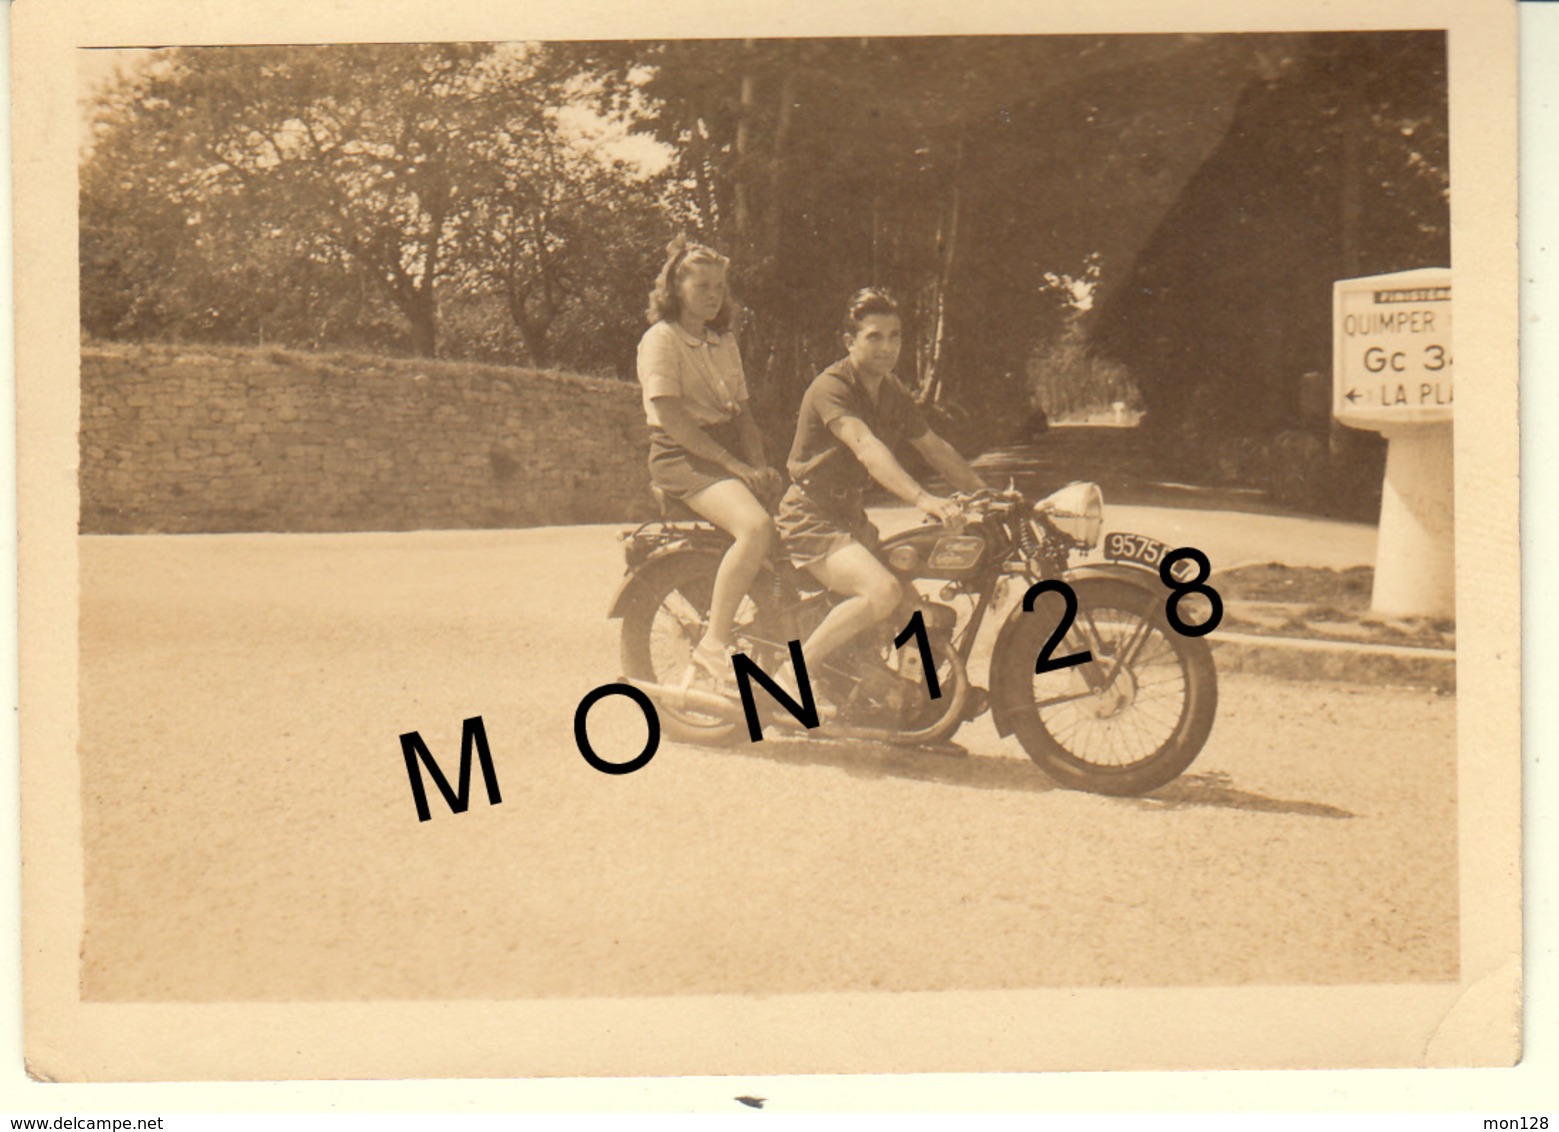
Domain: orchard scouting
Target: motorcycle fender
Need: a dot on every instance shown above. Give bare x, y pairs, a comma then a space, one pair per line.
650, 569
1011, 670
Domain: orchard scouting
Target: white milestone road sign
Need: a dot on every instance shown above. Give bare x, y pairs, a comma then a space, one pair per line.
1391, 374
1391, 350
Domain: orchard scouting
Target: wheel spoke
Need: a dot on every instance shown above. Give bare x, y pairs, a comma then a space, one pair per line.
1124, 654
1131, 717
1134, 643
1126, 646
1057, 701
1063, 736
681, 609
1169, 724
1149, 743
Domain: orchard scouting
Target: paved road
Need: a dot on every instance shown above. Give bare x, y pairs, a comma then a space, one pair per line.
1228, 538
1124, 463
250, 833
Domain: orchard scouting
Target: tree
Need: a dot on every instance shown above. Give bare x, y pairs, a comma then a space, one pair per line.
411, 197
1334, 165
556, 234
955, 171
338, 161
432, 197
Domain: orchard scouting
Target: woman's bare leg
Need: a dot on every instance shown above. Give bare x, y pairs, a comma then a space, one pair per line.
731, 507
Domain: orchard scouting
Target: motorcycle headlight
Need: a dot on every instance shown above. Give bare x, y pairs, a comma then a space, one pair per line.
1077, 511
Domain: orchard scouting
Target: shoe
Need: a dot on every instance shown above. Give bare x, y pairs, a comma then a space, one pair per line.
710, 665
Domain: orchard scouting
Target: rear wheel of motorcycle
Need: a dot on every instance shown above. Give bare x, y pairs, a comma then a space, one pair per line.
1142, 729
663, 623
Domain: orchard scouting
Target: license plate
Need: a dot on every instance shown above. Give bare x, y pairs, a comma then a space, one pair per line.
1123, 547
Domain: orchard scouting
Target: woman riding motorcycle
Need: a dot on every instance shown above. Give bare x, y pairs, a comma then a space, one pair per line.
705, 449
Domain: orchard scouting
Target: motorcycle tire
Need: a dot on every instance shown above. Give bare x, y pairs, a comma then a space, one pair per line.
664, 620
1058, 731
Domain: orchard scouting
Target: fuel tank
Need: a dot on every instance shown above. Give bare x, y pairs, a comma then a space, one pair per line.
931, 552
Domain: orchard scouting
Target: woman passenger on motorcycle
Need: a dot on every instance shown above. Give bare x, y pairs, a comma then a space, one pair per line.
695, 401
852, 416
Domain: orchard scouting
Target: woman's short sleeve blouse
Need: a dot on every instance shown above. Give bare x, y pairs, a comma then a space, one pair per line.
705, 372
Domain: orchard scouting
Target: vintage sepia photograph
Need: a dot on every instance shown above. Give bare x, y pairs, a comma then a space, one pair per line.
799, 552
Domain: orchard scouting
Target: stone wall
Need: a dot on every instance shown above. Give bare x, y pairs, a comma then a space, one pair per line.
199, 439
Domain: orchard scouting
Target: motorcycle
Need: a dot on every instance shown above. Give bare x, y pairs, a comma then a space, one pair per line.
1101, 689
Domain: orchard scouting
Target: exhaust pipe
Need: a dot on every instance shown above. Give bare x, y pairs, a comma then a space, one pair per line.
689, 699
707, 703
730, 710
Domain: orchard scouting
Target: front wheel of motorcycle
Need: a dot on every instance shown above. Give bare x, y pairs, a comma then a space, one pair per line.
662, 624
1132, 718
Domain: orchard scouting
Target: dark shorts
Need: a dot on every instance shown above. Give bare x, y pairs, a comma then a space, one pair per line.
814, 526
678, 472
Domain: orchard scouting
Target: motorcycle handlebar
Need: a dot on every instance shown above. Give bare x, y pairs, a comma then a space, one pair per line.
977, 503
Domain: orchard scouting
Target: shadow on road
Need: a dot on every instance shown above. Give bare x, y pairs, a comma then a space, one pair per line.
951, 766
957, 767
1214, 789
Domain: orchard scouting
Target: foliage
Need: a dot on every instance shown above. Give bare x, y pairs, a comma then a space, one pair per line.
1202, 191
342, 195
1070, 380
957, 172
1335, 166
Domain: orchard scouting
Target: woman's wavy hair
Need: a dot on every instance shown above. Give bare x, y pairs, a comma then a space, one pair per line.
865, 303
682, 255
